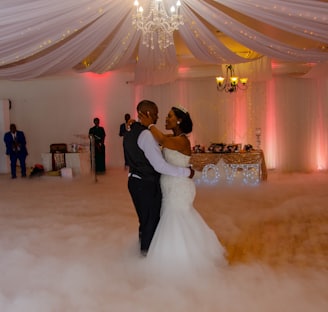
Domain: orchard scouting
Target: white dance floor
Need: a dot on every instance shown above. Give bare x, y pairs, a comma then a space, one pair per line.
70, 244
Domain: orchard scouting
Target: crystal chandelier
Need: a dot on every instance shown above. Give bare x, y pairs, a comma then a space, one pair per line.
230, 83
158, 26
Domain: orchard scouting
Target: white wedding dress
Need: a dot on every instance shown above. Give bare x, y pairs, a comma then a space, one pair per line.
183, 243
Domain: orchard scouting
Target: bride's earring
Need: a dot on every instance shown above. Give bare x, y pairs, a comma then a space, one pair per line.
178, 122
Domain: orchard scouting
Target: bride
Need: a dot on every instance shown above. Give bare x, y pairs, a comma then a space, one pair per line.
183, 242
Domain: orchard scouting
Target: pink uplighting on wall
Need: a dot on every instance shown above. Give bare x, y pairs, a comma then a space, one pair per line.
270, 128
99, 89
138, 96
240, 118
321, 136
182, 100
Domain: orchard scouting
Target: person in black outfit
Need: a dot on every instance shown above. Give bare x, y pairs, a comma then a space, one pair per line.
124, 128
16, 149
98, 134
146, 163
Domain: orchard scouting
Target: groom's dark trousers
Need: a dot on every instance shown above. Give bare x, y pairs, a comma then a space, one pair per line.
147, 197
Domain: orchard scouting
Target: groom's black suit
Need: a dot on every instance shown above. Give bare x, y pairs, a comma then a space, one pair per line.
143, 185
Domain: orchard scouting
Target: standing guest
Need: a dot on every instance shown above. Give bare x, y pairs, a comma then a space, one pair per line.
146, 164
98, 134
16, 149
124, 128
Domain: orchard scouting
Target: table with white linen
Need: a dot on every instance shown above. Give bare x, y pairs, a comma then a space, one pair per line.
78, 162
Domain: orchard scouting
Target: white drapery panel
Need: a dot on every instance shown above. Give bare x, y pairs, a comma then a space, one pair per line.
258, 70
120, 51
292, 114
202, 42
156, 66
302, 17
29, 27
45, 37
254, 39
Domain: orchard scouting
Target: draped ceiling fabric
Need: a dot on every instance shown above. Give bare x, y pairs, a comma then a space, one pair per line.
46, 37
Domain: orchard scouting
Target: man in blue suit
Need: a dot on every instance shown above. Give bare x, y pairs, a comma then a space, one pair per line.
16, 149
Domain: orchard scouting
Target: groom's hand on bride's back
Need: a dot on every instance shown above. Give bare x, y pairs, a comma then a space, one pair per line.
192, 173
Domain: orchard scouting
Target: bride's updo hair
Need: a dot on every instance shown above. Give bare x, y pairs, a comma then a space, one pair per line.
186, 122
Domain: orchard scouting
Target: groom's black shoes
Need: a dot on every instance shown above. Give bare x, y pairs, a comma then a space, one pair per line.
144, 253
140, 234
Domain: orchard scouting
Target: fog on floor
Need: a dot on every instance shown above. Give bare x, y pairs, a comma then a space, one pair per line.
70, 244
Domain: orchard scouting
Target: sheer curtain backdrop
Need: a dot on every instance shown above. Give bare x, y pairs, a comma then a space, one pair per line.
44, 37
292, 113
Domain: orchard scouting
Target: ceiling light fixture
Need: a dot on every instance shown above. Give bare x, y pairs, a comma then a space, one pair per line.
230, 83
157, 26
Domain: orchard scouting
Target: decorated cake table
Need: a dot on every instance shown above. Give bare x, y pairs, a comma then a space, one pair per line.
250, 164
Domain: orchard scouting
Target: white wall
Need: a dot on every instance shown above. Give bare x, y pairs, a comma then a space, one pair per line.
61, 110
4, 127
292, 113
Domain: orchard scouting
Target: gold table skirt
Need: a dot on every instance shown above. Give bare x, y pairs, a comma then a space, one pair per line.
200, 160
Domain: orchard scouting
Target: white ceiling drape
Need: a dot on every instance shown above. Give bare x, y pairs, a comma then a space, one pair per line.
45, 37
303, 17
258, 41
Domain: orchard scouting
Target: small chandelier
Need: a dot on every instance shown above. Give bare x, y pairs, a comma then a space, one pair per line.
230, 83
157, 25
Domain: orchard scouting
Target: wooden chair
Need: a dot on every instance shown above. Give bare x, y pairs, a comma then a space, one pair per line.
58, 151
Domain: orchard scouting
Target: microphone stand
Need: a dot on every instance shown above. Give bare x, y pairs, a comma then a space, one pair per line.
93, 156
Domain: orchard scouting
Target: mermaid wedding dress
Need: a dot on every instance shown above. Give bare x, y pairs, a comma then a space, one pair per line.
183, 242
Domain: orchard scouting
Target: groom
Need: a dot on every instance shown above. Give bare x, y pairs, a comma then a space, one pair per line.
146, 163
